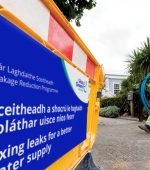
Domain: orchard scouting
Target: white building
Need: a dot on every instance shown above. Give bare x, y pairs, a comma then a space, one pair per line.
112, 84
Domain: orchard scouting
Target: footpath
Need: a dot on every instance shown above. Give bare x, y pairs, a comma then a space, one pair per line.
121, 145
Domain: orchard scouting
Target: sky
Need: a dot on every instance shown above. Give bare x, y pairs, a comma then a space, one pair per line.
113, 29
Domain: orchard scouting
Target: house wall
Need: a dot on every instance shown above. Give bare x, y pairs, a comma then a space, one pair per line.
112, 82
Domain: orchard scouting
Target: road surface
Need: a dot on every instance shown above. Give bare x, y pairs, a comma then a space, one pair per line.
121, 145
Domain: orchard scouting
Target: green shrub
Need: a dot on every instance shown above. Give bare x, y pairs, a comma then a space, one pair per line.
110, 111
119, 101
111, 101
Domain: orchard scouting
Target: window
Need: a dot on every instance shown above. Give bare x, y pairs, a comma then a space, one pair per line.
116, 88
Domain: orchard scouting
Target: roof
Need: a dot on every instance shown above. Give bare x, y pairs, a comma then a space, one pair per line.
115, 76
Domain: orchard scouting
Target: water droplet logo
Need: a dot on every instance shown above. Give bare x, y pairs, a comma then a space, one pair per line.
81, 85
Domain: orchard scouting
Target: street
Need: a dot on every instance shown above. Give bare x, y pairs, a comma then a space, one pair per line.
121, 145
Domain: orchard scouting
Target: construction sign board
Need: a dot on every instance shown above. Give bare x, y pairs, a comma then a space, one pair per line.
43, 102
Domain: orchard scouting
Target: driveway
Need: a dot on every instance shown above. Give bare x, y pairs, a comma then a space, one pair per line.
121, 145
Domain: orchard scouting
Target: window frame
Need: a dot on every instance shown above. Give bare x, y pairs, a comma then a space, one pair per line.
115, 89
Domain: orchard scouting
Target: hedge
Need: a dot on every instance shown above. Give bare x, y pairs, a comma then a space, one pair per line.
120, 101
110, 111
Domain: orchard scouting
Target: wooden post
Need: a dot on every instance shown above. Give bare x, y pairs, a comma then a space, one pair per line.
130, 98
132, 108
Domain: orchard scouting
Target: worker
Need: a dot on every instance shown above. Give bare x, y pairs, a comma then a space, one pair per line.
146, 126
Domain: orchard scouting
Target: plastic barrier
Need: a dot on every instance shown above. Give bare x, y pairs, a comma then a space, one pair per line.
49, 105
143, 95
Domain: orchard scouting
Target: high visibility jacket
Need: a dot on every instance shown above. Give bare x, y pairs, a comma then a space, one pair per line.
148, 121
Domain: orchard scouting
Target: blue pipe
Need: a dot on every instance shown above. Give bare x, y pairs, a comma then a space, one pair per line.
143, 95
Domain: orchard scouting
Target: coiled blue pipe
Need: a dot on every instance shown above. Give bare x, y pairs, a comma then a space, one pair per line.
142, 93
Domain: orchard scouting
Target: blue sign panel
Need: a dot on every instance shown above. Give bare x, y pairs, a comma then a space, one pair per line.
43, 108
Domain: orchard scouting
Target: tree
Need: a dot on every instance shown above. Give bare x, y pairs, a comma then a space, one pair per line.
126, 86
74, 9
139, 63
138, 67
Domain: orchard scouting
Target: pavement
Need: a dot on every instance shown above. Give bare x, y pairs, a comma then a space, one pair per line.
121, 145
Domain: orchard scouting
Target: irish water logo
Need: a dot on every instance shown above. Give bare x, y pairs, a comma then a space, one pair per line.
81, 85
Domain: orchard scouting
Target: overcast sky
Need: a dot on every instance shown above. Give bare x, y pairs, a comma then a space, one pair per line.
113, 29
